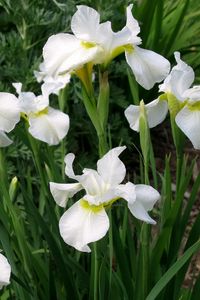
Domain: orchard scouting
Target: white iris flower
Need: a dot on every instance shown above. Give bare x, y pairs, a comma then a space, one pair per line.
45, 123
86, 221
5, 271
96, 43
9, 116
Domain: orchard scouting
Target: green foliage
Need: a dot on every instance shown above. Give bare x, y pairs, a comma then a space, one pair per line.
43, 267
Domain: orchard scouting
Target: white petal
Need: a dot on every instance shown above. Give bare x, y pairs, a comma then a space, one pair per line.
62, 192
156, 112
126, 191
80, 226
179, 79
17, 86
147, 66
189, 122
85, 23
9, 111
192, 94
146, 197
132, 114
139, 212
69, 159
111, 168
5, 271
133, 26
64, 53
27, 102
49, 127
4, 140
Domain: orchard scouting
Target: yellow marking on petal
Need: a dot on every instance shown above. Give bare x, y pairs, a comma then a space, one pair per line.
174, 104
194, 106
87, 45
94, 208
41, 112
129, 48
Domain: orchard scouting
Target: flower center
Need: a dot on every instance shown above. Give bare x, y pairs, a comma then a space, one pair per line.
96, 208
87, 45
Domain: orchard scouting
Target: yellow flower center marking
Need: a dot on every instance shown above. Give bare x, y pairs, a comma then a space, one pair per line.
41, 112
96, 208
87, 45
194, 106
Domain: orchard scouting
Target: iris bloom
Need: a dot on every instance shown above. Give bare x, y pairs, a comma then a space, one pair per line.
45, 123
86, 220
9, 116
96, 43
183, 103
5, 271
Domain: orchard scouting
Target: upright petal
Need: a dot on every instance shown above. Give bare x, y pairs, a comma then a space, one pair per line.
147, 66
5, 271
81, 225
9, 111
189, 122
146, 197
133, 26
111, 168
156, 112
62, 192
4, 140
179, 80
50, 127
85, 23
69, 171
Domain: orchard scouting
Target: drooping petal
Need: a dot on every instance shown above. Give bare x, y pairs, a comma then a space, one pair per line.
156, 112
4, 140
9, 111
62, 192
179, 80
81, 225
85, 23
126, 191
133, 26
147, 66
50, 127
146, 197
189, 122
5, 271
111, 168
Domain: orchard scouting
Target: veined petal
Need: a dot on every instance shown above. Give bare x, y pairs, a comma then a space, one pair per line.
85, 23
111, 168
189, 122
50, 127
146, 197
62, 192
133, 26
63, 53
179, 80
9, 111
81, 225
5, 271
93, 183
192, 94
156, 112
147, 66
4, 140
127, 192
